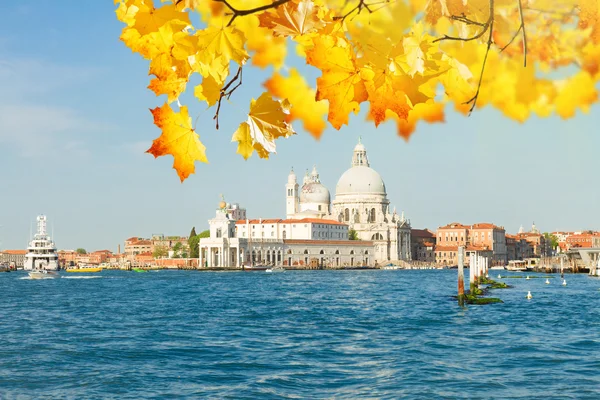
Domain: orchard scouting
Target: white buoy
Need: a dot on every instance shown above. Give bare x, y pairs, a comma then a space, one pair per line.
529, 296
499, 276
547, 282
527, 277
564, 282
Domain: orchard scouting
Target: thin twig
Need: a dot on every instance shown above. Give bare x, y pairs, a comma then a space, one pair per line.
226, 92
239, 13
473, 100
524, 34
486, 25
362, 4
463, 18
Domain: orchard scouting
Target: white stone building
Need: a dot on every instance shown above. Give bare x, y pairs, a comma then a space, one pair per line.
307, 242
315, 231
360, 201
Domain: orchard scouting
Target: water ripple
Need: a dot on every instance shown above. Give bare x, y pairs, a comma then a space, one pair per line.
317, 334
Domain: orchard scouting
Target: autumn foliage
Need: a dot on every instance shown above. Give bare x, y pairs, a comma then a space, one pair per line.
403, 59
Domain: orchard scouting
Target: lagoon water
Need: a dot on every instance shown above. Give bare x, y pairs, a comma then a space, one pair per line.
298, 334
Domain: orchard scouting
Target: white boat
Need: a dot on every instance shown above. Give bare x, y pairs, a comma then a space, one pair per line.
390, 267
275, 269
42, 274
516, 265
41, 253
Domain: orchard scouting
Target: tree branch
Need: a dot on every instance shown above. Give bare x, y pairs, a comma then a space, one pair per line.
521, 29
226, 92
490, 27
239, 13
362, 4
462, 18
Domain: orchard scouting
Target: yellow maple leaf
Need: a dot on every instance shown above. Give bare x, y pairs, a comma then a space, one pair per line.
151, 19
296, 17
577, 91
268, 50
267, 121
340, 83
171, 74
302, 99
384, 95
245, 143
224, 42
209, 90
178, 138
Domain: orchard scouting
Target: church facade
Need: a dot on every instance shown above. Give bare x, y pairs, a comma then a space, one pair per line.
315, 232
360, 202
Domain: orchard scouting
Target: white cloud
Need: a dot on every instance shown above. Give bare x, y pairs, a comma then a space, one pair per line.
37, 129
24, 78
30, 119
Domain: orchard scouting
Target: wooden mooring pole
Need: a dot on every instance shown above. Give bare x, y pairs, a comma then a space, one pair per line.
461, 277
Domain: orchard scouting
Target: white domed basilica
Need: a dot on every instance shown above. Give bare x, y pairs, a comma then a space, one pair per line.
360, 201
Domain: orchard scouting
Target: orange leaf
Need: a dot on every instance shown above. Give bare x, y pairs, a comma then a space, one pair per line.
178, 138
302, 99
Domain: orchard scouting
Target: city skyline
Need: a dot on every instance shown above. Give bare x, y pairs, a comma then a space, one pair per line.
74, 125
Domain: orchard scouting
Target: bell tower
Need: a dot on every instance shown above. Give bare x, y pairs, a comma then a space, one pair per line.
292, 197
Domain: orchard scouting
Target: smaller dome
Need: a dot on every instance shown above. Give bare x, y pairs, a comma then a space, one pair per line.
314, 192
359, 147
222, 204
292, 177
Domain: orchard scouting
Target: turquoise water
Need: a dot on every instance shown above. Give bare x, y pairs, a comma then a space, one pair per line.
304, 334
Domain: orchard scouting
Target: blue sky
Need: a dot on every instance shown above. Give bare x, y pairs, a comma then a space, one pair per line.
74, 125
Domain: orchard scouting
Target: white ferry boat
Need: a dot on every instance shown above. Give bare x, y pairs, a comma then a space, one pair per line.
41, 253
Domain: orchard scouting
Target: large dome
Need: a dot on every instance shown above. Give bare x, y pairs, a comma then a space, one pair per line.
314, 192
360, 179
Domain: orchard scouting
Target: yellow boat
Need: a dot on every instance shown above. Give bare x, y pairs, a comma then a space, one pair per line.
83, 269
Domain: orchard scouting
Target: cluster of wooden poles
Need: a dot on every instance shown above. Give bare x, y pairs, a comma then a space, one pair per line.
478, 270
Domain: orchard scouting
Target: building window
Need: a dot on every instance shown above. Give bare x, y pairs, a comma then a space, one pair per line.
319, 207
218, 232
272, 234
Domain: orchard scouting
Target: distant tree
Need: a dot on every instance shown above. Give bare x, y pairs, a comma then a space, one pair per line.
204, 234
160, 251
352, 234
192, 233
194, 242
81, 251
177, 250
553, 240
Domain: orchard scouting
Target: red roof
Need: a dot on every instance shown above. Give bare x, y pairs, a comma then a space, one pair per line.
422, 233
290, 221
142, 243
485, 225
454, 225
15, 252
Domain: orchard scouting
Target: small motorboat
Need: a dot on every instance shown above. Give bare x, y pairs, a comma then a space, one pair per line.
84, 268
275, 269
139, 270
42, 274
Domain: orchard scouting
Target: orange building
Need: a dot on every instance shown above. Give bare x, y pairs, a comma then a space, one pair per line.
14, 258
423, 245
478, 238
584, 240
